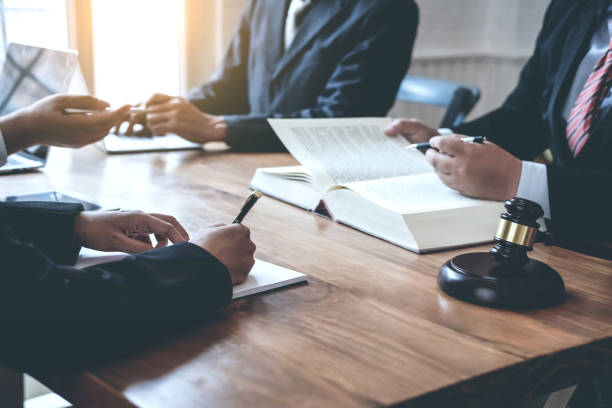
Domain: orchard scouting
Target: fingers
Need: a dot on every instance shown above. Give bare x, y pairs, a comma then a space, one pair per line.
157, 99
162, 228
451, 145
162, 107
171, 220
81, 102
155, 119
450, 180
402, 127
441, 162
133, 245
135, 118
104, 119
162, 241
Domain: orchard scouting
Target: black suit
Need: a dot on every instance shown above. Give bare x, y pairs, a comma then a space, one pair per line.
531, 120
55, 315
347, 59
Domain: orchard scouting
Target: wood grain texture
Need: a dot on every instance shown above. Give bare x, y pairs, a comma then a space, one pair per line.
371, 328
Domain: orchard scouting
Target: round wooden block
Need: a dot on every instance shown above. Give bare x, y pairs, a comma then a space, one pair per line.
479, 278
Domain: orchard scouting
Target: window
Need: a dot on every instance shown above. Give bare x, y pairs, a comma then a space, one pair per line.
136, 48
18, 17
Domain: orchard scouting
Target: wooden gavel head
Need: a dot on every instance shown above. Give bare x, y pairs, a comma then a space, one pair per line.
516, 231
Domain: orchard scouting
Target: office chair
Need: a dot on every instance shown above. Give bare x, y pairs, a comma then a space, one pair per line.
457, 98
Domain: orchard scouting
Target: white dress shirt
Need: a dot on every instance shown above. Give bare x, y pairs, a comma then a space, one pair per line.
3, 154
294, 14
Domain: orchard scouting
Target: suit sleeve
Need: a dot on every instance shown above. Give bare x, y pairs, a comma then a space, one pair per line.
516, 126
364, 83
227, 90
57, 314
580, 207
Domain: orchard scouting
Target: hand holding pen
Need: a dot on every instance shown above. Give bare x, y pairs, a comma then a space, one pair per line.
422, 147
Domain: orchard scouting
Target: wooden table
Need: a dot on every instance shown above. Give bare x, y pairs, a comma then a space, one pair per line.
370, 328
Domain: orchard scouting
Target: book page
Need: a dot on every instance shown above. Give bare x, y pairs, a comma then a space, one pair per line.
345, 150
411, 194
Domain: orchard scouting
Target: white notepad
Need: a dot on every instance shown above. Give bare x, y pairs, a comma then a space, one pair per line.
263, 277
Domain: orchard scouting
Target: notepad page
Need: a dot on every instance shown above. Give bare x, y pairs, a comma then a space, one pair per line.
345, 150
263, 277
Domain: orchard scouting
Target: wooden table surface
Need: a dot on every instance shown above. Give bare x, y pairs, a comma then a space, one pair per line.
370, 328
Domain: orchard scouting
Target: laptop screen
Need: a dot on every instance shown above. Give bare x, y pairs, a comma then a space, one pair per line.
31, 73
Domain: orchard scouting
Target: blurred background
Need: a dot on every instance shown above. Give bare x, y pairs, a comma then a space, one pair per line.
131, 48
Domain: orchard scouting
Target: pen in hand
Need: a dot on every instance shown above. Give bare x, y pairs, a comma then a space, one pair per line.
248, 204
73, 111
424, 146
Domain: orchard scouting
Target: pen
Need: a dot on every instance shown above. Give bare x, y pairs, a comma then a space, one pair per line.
248, 204
424, 146
72, 111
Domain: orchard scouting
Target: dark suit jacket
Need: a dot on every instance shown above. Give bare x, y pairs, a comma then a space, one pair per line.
348, 59
53, 315
531, 120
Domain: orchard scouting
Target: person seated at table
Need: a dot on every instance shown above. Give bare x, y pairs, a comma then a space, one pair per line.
54, 315
562, 103
294, 59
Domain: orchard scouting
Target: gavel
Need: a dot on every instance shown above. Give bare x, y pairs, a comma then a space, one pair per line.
505, 277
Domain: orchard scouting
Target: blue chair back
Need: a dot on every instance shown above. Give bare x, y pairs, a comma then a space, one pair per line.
457, 98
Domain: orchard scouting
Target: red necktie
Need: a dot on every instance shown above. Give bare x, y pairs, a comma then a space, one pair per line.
588, 103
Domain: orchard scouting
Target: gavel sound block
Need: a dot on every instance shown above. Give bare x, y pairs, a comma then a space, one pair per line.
505, 277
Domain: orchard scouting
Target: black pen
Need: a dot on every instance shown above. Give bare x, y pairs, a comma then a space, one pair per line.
248, 204
424, 146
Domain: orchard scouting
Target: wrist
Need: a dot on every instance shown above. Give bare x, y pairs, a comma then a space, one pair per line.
516, 168
79, 228
219, 129
16, 132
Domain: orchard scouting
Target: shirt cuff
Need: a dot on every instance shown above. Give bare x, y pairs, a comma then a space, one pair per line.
533, 185
445, 131
3, 154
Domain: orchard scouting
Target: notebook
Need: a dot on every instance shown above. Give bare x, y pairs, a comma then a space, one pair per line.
263, 277
356, 175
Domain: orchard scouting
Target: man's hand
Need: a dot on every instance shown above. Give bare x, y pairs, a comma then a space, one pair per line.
477, 170
230, 244
173, 114
126, 231
412, 129
176, 115
46, 123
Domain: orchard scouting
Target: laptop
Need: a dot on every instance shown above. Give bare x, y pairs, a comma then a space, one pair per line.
29, 74
115, 144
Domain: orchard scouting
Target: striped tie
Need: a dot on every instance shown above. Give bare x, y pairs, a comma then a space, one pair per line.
589, 102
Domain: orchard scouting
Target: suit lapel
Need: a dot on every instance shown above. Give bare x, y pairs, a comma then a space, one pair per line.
321, 14
577, 39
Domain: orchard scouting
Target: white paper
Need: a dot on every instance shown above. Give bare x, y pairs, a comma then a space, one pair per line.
263, 277
418, 193
345, 150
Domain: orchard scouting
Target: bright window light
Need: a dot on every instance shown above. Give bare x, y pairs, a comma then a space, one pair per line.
47, 16
136, 49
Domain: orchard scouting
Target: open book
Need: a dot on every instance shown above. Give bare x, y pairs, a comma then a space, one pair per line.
367, 180
263, 277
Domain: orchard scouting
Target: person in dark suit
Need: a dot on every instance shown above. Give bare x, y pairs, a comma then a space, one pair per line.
295, 59
54, 316
562, 103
